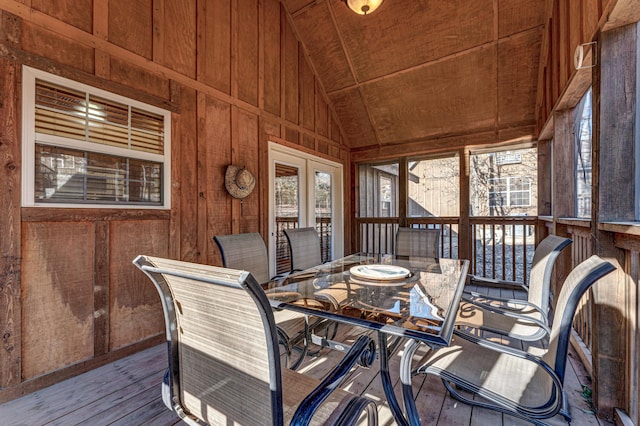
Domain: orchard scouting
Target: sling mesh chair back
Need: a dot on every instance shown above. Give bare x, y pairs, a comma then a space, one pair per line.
248, 252
507, 379
223, 366
522, 319
416, 242
304, 248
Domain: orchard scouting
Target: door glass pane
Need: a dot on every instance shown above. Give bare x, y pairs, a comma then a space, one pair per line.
323, 212
287, 210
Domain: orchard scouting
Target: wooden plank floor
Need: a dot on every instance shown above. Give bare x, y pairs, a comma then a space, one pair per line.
127, 392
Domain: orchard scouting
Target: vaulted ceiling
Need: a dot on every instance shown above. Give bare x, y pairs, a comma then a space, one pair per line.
421, 70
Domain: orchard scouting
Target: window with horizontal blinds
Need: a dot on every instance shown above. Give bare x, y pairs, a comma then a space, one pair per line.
77, 115
90, 147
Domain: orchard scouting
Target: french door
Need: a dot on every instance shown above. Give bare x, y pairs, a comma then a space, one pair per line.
304, 191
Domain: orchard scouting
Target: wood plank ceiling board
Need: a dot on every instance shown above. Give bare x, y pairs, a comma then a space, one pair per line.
322, 42
515, 16
424, 69
351, 109
451, 96
397, 38
517, 78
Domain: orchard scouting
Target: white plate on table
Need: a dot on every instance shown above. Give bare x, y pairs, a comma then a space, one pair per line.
378, 272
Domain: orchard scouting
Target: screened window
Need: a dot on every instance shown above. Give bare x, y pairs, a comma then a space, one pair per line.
582, 137
87, 147
503, 183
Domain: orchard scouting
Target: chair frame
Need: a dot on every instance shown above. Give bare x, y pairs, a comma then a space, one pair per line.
363, 350
553, 362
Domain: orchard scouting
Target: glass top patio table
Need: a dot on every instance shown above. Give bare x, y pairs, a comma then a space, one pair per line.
402, 296
411, 297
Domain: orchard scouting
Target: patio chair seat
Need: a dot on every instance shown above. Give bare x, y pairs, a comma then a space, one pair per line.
223, 366
508, 380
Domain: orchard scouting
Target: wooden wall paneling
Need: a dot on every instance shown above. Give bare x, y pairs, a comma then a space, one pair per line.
158, 47
217, 137
307, 93
246, 153
565, 58
145, 82
135, 308
10, 243
58, 48
554, 52
57, 295
188, 170
322, 115
247, 53
129, 24
78, 13
101, 289
618, 114
563, 165
214, 67
544, 177
203, 180
175, 222
179, 28
291, 80
576, 30
271, 76
101, 30
591, 12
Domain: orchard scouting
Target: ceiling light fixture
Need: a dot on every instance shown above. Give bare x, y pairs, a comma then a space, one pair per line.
363, 7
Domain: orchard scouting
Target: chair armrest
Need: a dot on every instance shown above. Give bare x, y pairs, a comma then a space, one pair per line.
487, 302
362, 352
509, 313
492, 282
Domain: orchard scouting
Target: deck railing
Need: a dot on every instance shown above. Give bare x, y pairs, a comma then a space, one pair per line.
581, 250
500, 247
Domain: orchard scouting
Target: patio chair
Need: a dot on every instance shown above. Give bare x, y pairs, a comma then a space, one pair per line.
521, 319
248, 252
509, 380
223, 365
417, 242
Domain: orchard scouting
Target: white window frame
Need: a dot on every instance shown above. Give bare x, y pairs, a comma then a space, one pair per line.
29, 76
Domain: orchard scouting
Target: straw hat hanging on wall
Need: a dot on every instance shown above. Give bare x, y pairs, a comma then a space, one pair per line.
239, 181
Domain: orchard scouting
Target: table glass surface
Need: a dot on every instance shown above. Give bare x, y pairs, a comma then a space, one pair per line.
422, 305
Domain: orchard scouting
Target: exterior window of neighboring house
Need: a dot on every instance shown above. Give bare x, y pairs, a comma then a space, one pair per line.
385, 196
510, 192
582, 138
85, 147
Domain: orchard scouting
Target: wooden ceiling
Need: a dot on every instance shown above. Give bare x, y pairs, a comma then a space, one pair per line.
422, 70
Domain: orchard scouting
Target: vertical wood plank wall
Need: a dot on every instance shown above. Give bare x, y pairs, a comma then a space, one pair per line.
234, 76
